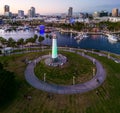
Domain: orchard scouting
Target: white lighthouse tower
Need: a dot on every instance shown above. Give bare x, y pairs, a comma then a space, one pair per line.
54, 48
55, 60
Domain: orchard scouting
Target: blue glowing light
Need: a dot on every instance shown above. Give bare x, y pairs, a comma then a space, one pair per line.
42, 29
72, 20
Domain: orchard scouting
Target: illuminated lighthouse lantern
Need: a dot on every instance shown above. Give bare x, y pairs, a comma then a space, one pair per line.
54, 48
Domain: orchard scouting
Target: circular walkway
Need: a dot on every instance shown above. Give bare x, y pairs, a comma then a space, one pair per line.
95, 82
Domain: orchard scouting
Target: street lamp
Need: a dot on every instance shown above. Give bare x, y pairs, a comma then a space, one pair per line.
44, 77
108, 55
92, 51
93, 72
83, 53
73, 80
93, 61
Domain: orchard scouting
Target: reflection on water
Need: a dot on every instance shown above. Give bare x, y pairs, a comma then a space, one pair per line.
17, 34
98, 42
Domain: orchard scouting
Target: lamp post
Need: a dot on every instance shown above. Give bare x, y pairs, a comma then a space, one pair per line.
93, 61
108, 55
83, 53
93, 72
44, 77
73, 80
92, 51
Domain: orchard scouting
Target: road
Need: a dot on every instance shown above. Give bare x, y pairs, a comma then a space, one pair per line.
95, 82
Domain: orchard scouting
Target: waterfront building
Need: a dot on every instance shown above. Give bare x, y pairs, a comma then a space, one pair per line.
7, 11
96, 14
81, 15
70, 12
115, 12
8, 14
114, 19
63, 15
103, 13
100, 14
31, 12
20, 13
6, 8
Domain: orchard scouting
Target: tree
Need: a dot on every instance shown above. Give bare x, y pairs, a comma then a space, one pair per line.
47, 36
11, 42
3, 40
40, 39
35, 36
8, 85
20, 41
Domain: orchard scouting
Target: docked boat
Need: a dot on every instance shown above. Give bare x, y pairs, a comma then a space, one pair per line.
112, 38
79, 36
2, 30
85, 35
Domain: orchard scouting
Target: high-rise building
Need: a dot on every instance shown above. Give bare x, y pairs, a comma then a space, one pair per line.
7, 11
115, 12
96, 14
70, 12
103, 13
100, 14
31, 12
20, 13
6, 8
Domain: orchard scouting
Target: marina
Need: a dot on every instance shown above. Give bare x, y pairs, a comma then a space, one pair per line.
82, 40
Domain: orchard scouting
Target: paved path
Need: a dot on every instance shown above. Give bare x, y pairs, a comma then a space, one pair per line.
95, 82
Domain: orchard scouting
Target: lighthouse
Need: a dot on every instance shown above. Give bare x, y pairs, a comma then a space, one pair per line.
54, 48
55, 60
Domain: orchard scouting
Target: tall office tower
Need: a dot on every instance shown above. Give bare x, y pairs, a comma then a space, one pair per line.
29, 13
7, 11
115, 12
32, 11
70, 12
20, 13
6, 8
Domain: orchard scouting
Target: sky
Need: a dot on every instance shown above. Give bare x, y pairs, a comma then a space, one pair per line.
59, 6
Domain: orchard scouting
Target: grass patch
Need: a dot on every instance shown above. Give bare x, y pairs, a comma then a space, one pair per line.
106, 101
76, 66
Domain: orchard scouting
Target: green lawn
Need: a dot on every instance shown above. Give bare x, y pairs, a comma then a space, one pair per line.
76, 66
106, 101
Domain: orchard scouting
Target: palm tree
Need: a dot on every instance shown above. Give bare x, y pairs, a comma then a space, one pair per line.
11, 42
3, 40
35, 37
40, 39
20, 42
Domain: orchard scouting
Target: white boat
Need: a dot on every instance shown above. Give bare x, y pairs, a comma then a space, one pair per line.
79, 36
112, 42
112, 38
2, 30
85, 35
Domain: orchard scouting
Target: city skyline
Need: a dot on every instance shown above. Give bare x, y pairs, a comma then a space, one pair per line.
46, 7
